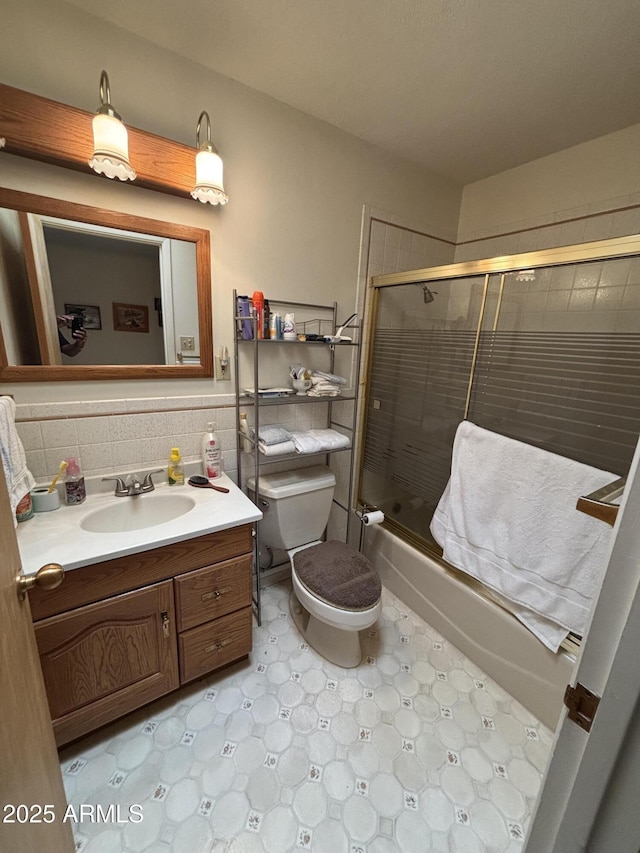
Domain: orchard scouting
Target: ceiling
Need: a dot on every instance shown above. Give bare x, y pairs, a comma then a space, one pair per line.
467, 88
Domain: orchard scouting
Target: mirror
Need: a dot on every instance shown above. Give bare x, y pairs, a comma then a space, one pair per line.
139, 289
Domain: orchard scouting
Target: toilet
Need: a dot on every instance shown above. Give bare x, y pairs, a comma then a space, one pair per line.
336, 590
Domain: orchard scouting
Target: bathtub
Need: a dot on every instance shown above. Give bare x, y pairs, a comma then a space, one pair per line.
489, 636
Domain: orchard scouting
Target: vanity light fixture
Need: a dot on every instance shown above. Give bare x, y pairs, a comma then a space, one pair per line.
208, 186
110, 139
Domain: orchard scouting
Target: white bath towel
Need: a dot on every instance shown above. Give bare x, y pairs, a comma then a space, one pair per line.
19, 478
319, 440
320, 376
508, 517
323, 388
279, 449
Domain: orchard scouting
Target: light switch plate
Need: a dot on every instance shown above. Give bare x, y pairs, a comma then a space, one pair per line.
187, 343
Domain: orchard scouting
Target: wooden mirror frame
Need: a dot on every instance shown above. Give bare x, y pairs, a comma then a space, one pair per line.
30, 203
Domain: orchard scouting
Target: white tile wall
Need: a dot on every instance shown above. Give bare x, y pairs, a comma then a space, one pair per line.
616, 217
118, 436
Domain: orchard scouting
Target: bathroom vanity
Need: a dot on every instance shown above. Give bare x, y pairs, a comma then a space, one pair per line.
142, 611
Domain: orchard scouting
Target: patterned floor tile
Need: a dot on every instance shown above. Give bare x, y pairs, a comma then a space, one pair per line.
416, 749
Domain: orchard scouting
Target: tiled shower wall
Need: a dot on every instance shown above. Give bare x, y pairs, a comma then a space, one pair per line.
614, 217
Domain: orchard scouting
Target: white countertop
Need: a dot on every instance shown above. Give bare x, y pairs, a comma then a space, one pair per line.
57, 537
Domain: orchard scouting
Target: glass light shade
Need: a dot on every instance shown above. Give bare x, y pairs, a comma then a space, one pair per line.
209, 186
111, 148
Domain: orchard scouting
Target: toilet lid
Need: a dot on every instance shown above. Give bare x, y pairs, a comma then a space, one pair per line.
339, 575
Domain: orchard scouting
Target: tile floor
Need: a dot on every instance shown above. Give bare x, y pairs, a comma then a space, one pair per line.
416, 750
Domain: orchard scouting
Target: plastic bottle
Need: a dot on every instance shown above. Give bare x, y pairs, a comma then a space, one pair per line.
74, 488
175, 471
289, 328
245, 442
24, 509
266, 320
210, 454
258, 305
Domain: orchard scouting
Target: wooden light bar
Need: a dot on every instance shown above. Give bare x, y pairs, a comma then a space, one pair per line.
55, 133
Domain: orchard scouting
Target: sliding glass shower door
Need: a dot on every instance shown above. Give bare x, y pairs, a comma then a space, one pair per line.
548, 355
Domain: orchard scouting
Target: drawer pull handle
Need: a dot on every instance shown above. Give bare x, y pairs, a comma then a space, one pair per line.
217, 647
216, 594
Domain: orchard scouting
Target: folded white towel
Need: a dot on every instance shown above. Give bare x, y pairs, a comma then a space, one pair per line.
19, 478
508, 517
319, 440
324, 389
279, 449
320, 376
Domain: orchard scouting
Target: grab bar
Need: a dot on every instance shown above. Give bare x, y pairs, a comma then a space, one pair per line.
599, 504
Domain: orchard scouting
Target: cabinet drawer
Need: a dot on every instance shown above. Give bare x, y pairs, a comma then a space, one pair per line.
215, 644
214, 591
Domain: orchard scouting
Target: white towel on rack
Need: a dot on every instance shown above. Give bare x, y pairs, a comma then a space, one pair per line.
322, 388
319, 440
508, 517
279, 449
19, 478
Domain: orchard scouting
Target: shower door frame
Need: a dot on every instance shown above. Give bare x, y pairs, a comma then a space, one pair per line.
599, 250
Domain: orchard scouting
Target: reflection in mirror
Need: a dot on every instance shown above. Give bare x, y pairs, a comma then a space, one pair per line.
93, 294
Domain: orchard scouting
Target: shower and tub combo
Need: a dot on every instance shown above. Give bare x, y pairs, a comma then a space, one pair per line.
550, 359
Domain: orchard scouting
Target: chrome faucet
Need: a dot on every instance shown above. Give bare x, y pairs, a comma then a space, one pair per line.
133, 486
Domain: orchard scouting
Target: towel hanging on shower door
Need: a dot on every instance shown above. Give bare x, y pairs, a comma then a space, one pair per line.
508, 518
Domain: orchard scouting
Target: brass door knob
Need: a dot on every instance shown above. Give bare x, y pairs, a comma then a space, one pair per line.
48, 577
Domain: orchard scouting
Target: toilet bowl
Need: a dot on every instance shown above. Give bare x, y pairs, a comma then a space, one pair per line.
329, 620
336, 590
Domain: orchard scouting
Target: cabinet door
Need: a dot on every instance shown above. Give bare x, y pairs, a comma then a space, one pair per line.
105, 659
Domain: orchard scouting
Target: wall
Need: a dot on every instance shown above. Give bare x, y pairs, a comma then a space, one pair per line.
291, 229
588, 192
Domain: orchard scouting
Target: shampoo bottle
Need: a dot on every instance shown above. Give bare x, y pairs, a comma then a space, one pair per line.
245, 441
175, 471
210, 454
74, 488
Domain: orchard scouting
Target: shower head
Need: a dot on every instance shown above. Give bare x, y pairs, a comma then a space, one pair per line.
427, 294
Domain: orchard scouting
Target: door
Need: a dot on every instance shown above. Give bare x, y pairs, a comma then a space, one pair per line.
585, 770
29, 770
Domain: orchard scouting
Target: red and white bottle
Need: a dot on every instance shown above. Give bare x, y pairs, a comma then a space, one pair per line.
211, 461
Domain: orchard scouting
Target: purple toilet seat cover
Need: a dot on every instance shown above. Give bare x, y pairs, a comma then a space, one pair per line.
339, 575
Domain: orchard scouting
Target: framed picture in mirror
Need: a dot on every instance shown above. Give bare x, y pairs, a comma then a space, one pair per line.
130, 318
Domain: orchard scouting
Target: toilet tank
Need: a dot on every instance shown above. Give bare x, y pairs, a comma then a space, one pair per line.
295, 504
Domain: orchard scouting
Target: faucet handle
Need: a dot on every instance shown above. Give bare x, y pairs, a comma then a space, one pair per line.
121, 489
148, 484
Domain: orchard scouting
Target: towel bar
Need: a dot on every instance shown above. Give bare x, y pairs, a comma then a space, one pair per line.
599, 504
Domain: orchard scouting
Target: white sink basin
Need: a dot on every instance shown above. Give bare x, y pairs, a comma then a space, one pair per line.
135, 513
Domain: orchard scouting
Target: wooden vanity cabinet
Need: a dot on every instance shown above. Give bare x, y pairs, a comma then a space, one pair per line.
119, 634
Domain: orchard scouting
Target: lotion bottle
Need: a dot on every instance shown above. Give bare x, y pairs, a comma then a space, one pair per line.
245, 441
175, 471
211, 454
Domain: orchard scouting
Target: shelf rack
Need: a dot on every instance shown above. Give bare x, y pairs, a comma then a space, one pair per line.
258, 348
